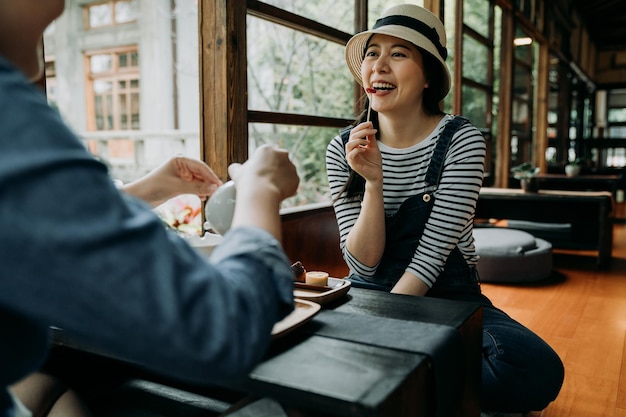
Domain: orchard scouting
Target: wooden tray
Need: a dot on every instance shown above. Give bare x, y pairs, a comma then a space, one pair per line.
304, 311
336, 288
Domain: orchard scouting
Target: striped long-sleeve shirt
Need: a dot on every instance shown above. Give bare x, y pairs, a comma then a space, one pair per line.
451, 221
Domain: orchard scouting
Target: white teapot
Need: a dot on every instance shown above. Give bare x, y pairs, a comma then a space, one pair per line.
220, 208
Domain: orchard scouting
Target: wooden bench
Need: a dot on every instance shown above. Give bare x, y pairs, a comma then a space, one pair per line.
311, 235
588, 216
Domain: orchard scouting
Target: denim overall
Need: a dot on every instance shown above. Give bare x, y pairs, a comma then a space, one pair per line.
458, 280
520, 372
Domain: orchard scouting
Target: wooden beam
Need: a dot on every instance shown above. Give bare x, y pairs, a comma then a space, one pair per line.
293, 21
223, 83
503, 141
256, 116
540, 140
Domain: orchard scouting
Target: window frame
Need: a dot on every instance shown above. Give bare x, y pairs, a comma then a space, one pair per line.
223, 76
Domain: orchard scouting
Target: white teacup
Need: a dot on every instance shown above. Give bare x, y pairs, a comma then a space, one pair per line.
220, 208
206, 243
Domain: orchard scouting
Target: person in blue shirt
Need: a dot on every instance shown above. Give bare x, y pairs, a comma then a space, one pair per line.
79, 254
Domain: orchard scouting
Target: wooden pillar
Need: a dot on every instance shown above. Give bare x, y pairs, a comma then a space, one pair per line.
457, 75
223, 83
503, 141
540, 140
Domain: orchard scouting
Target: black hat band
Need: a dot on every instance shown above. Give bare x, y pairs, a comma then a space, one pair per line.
418, 26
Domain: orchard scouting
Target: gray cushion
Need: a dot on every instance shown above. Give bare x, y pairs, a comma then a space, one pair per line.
496, 241
508, 255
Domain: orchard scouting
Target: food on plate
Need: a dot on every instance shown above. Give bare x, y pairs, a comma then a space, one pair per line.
318, 278
299, 273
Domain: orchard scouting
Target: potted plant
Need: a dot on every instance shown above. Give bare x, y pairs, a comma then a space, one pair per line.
525, 173
573, 167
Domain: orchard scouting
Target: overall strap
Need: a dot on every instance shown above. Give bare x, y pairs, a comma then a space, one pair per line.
433, 175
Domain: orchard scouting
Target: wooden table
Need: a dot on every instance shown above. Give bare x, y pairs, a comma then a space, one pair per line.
370, 353
588, 213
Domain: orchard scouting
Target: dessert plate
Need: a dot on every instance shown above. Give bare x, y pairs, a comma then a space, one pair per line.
336, 288
304, 311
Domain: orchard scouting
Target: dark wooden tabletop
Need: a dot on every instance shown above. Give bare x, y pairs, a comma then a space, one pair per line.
369, 353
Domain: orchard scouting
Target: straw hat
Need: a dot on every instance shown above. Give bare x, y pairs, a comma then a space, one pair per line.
411, 23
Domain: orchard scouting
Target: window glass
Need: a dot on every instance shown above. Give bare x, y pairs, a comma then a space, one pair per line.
123, 60
376, 7
522, 82
132, 120
100, 15
476, 15
126, 11
525, 6
617, 106
523, 46
101, 63
292, 72
617, 115
113, 12
307, 149
475, 60
333, 13
475, 105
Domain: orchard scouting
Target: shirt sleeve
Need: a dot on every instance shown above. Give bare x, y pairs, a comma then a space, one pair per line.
77, 253
346, 210
451, 220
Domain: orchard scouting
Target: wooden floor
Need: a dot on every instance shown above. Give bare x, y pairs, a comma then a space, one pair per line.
581, 312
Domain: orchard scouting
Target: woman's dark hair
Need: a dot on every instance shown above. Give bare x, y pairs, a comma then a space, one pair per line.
434, 76
355, 185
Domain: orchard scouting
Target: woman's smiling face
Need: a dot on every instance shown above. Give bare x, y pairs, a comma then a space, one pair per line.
393, 67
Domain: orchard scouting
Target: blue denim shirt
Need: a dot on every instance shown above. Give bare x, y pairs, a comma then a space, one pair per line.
78, 254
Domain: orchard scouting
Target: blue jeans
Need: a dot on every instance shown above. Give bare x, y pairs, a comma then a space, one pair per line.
520, 372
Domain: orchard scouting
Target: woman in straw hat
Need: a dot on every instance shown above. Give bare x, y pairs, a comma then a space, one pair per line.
405, 180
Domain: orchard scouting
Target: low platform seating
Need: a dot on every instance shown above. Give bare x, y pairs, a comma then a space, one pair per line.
509, 255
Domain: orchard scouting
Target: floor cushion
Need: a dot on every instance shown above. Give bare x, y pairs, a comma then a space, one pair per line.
510, 255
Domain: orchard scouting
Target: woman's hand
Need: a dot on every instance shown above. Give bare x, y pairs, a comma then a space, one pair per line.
362, 153
366, 239
178, 175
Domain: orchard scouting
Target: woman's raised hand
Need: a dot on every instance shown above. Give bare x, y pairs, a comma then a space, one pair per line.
362, 152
